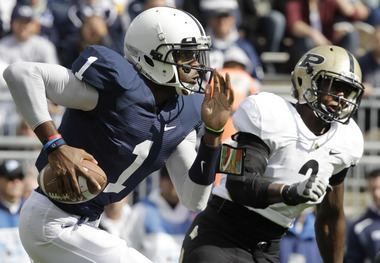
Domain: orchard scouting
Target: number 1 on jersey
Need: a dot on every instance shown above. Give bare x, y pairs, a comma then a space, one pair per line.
85, 66
141, 151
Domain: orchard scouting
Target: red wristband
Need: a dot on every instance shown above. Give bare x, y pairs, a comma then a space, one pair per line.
55, 136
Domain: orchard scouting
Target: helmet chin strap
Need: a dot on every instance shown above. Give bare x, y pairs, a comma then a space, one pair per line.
182, 91
186, 90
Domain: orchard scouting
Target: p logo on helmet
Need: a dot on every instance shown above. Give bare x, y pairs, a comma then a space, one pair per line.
311, 59
330, 67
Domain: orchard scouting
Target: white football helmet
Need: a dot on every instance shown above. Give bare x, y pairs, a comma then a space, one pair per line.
327, 70
158, 37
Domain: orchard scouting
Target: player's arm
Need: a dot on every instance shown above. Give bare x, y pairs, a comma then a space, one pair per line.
192, 192
194, 187
31, 84
194, 172
330, 224
251, 188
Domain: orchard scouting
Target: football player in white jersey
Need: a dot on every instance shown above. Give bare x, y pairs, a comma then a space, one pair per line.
293, 156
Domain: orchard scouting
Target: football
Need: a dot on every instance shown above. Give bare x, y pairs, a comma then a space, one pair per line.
49, 184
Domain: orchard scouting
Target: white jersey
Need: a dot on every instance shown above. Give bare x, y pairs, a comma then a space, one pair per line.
295, 152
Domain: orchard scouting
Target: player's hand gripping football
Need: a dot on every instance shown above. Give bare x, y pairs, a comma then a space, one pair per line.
217, 104
309, 190
66, 162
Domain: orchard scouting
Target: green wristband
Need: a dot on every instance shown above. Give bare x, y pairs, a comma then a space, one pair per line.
214, 132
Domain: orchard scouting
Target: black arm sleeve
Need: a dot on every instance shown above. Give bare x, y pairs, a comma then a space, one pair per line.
251, 187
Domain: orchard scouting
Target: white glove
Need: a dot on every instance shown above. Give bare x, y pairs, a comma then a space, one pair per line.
309, 190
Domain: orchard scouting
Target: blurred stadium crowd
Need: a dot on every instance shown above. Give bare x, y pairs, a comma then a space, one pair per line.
256, 41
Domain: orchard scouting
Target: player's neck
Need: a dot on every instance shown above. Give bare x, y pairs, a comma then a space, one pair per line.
315, 124
161, 94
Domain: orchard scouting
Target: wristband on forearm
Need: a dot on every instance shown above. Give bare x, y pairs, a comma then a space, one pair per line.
203, 169
213, 131
53, 142
290, 196
285, 193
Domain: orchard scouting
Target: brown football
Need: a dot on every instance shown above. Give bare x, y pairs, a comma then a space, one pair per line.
49, 184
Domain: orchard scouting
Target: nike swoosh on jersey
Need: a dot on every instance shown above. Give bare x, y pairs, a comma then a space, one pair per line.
168, 128
333, 152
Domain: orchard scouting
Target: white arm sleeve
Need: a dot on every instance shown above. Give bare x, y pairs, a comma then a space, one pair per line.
32, 83
192, 195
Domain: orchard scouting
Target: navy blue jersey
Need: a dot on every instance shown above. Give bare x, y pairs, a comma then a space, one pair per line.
125, 133
363, 238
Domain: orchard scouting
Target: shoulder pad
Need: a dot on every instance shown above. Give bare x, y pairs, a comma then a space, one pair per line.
260, 113
353, 151
104, 69
265, 115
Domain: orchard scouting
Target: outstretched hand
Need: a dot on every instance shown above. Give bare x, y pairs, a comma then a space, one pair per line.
217, 104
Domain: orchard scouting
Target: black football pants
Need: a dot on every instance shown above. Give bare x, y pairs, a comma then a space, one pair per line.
226, 232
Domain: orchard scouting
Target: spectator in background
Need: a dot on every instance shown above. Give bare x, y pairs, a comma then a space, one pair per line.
137, 6
6, 8
157, 3
260, 18
374, 11
363, 238
299, 244
11, 199
24, 43
157, 224
94, 31
370, 63
263, 25
115, 217
45, 17
222, 16
238, 66
82, 9
314, 22
193, 7
30, 178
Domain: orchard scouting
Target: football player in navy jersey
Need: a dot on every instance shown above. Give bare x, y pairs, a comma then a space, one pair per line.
131, 116
296, 155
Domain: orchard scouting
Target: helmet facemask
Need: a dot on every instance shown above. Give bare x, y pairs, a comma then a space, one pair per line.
190, 61
333, 97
